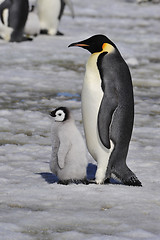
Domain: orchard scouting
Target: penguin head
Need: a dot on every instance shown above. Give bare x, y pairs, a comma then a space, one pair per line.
60, 114
94, 44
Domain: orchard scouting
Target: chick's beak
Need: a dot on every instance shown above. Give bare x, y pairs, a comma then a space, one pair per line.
52, 114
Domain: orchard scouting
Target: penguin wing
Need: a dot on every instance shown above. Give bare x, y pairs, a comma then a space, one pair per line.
105, 115
63, 150
70, 5
109, 101
4, 5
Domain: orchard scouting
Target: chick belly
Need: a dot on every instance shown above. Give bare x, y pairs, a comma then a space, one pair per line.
75, 167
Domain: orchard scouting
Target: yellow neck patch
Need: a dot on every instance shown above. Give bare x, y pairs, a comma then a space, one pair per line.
107, 47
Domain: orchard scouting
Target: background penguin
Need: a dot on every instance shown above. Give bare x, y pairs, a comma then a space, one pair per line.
63, 4
17, 16
50, 13
32, 26
68, 160
108, 109
5, 31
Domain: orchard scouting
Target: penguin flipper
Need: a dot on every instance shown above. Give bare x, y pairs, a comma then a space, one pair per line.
4, 5
105, 114
70, 5
63, 150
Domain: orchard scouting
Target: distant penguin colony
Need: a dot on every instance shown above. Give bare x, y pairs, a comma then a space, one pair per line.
19, 22
68, 159
17, 17
107, 109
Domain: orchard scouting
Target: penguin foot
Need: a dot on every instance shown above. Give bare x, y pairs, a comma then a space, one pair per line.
59, 33
26, 38
126, 178
74, 181
100, 175
44, 31
91, 181
22, 39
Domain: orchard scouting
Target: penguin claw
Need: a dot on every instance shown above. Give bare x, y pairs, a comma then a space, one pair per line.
59, 33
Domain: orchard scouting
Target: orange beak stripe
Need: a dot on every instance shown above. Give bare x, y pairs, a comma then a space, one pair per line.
82, 45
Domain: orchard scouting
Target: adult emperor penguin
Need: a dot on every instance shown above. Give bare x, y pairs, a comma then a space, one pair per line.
68, 160
17, 16
107, 109
50, 13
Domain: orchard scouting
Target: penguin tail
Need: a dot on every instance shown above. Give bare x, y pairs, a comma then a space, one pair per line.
125, 176
133, 181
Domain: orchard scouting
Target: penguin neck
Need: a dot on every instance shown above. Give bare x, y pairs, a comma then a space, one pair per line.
107, 48
92, 61
67, 121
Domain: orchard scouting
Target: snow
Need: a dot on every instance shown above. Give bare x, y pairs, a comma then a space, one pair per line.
36, 77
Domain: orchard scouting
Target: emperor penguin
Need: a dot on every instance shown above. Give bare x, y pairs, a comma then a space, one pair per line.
68, 159
50, 13
17, 17
107, 109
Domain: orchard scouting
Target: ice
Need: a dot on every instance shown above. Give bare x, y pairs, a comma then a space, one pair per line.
38, 76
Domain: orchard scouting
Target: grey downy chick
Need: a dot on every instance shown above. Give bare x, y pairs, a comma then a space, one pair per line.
68, 159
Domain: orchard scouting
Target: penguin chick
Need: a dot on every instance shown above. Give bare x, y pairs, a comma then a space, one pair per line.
32, 27
68, 159
107, 109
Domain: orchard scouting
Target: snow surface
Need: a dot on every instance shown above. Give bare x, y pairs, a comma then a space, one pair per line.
36, 77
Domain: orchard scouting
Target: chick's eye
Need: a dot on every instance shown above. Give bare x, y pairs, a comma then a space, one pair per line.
59, 114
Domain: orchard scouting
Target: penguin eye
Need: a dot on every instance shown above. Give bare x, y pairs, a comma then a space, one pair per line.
59, 114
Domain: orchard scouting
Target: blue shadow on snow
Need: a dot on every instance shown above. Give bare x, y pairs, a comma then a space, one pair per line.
91, 171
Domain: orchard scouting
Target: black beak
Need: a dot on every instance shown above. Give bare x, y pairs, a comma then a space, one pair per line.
78, 44
83, 44
72, 45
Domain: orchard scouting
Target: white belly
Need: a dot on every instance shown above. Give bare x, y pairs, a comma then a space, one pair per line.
48, 11
92, 95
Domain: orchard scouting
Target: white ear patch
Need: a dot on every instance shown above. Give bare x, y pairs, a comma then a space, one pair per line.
60, 116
